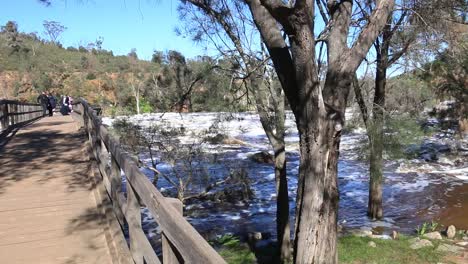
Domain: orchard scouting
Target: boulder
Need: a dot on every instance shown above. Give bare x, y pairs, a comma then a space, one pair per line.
372, 244
263, 157
433, 235
223, 139
449, 248
451, 232
254, 236
362, 233
418, 243
384, 237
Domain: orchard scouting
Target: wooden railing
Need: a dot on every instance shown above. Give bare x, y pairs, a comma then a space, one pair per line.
181, 243
14, 113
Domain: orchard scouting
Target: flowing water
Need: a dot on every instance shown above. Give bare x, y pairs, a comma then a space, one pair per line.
414, 191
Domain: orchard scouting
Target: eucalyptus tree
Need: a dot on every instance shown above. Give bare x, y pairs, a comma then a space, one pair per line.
287, 29
410, 23
53, 30
229, 28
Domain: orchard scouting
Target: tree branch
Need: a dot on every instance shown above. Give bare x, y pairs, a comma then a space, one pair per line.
367, 36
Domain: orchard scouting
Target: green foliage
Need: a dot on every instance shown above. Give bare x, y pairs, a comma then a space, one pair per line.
408, 94
353, 249
399, 133
427, 227
234, 251
90, 76
145, 106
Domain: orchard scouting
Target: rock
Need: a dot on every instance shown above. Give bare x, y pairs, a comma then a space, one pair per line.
433, 235
263, 157
418, 243
362, 233
449, 248
254, 236
465, 238
339, 228
395, 235
384, 237
372, 244
451, 232
463, 244
223, 139
429, 151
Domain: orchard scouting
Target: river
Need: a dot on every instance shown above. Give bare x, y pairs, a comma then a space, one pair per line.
415, 191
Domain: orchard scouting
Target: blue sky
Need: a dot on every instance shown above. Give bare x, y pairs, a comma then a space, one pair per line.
124, 24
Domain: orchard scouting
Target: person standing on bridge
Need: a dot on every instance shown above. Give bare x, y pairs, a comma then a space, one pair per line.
52, 103
44, 101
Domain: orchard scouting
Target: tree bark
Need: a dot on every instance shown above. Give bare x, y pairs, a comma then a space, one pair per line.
282, 208
317, 202
375, 131
275, 130
319, 113
376, 128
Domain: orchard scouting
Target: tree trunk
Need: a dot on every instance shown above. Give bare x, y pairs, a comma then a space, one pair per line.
138, 103
376, 133
319, 128
282, 207
274, 129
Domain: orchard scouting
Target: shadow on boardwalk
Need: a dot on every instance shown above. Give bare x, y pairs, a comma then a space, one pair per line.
39, 147
47, 204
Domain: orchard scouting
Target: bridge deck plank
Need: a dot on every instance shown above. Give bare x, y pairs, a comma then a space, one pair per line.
48, 212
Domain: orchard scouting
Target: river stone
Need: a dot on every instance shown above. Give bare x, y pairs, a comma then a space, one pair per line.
372, 244
384, 237
363, 233
433, 235
417, 243
263, 157
449, 248
255, 236
451, 232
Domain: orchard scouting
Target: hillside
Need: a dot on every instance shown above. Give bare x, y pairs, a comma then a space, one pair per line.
29, 65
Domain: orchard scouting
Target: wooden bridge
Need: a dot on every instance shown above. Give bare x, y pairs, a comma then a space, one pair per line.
62, 198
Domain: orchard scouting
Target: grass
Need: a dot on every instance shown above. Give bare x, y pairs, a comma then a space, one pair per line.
351, 249
234, 251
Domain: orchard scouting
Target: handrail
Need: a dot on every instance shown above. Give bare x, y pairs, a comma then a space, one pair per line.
180, 241
15, 113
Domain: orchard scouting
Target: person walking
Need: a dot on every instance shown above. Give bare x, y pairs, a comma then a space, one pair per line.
43, 100
65, 109
52, 104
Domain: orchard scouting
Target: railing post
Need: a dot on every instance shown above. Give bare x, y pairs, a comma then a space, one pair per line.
12, 112
5, 116
116, 189
134, 223
169, 252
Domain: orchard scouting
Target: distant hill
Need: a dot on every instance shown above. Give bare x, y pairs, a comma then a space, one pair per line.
29, 65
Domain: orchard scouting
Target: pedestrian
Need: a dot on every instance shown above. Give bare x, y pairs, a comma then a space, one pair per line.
44, 101
65, 109
52, 104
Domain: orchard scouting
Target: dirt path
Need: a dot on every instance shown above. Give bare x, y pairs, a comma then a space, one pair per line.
47, 208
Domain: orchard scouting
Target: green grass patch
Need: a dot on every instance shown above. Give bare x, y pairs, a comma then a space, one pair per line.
234, 251
353, 249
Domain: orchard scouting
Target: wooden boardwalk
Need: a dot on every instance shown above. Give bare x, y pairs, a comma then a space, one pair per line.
48, 210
